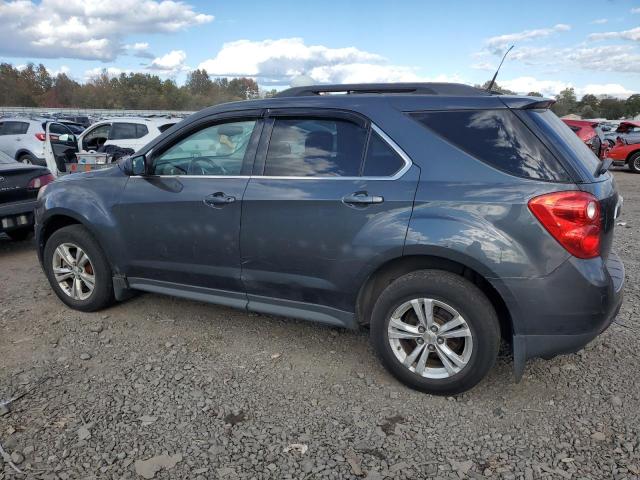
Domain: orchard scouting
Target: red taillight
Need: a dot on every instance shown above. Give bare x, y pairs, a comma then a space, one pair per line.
40, 136
573, 219
41, 181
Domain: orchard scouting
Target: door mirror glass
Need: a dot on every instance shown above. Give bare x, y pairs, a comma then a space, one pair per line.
138, 165
67, 138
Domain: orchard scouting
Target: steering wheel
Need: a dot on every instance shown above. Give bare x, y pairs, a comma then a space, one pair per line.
204, 166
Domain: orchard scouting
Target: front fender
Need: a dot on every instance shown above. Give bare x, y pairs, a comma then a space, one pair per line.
88, 201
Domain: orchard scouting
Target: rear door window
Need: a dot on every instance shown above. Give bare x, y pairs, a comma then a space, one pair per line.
381, 159
315, 147
15, 128
123, 131
498, 138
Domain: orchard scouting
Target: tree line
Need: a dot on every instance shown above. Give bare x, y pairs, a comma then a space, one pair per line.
589, 106
34, 86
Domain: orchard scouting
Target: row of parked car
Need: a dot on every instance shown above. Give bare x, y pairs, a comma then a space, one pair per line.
621, 144
23, 139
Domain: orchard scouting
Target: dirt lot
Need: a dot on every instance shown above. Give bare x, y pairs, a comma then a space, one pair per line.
226, 394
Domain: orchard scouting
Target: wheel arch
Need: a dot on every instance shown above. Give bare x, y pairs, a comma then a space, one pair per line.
23, 151
55, 222
395, 268
631, 154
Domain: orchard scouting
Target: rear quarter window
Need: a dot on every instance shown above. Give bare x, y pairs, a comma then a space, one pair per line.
498, 138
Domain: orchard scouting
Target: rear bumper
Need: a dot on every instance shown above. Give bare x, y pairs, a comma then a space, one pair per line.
568, 309
17, 215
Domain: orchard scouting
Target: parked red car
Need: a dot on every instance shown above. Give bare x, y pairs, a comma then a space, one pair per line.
624, 153
590, 133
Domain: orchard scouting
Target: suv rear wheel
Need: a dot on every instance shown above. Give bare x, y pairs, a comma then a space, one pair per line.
78, 269
435, 331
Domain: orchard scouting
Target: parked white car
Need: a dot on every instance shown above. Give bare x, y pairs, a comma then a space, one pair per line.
132, 132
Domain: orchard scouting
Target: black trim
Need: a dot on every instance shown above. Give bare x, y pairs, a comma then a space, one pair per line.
385, 88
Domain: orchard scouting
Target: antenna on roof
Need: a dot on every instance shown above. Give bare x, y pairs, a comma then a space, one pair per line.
493, 80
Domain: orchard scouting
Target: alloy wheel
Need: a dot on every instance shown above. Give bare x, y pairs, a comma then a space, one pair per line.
430, 338
73, 270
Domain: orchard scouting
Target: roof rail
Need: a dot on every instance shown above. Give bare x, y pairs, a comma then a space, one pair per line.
385, 88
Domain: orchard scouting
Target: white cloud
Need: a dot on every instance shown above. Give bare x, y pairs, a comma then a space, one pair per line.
551, 88
600, 21
110, 71
484, 66
278, 61
87, 29
635, 10
172, 61
499, 43
139, 49
633, 34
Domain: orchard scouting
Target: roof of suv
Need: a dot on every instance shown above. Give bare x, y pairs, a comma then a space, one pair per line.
401, 96
141, 120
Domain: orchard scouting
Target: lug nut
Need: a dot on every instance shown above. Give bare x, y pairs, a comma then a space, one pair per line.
422, 329
440, 340
420, 341
431, 348
434, 328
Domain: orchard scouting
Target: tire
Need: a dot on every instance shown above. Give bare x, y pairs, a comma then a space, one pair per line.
20, 234
97, 266
27, 159
449, 294
634, 162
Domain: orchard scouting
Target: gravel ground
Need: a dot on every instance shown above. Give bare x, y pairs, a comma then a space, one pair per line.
167, 388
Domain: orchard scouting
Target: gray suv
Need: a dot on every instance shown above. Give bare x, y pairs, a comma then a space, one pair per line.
443, 217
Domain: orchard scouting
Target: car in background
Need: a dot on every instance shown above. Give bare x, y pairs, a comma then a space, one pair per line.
82, 120
19, 187
76, 128
628, 130
131, 132
625, 153
590, 133
23, 139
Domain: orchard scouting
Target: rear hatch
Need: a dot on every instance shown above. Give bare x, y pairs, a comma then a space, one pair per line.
14, 182
582, 165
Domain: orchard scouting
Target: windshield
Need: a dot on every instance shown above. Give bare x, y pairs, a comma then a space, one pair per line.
564, 139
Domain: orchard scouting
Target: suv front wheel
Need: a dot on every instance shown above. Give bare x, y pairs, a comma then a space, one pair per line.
435, 331
78, 269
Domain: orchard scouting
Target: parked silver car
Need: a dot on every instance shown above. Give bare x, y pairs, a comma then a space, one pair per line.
23, 138
627, 130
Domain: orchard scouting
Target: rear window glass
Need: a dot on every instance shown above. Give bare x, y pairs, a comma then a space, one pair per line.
498, 138
562, 136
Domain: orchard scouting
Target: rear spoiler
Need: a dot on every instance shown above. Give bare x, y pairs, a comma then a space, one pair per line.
527, 103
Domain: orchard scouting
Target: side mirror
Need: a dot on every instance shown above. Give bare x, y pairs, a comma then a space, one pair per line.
138, 165
67, 138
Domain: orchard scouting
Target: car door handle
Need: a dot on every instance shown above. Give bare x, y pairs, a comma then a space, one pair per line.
362, 198
218, 199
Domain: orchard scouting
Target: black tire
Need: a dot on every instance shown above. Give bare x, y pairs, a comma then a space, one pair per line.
27, 159
20, 234
634, 162
465, 298
102, 294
